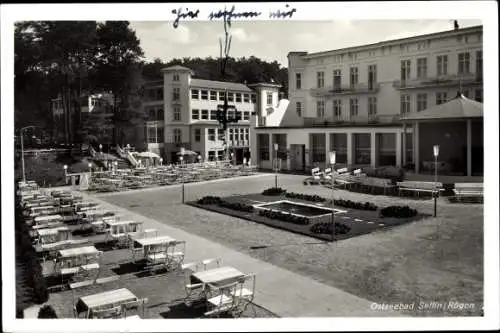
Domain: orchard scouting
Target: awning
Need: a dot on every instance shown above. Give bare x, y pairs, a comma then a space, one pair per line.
460, 107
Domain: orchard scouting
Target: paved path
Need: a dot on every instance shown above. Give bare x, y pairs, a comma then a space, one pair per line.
282, 292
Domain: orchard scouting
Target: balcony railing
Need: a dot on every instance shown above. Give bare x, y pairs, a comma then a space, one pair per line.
351, 120
346, 89
438, 81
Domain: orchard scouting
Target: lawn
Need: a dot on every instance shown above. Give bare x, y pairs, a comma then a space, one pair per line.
359, 221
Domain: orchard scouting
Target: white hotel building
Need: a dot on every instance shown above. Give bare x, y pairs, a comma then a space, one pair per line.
182, 113
352, 100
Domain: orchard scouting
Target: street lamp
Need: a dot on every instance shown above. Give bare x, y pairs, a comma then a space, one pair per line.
199, 158
332, 165
182, 178
115, 169
436, 154
232, 158
22, 151
161, 161
90, 172
65, 167
276, 165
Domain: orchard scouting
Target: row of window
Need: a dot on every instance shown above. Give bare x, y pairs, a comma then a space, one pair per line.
386, 143
236, 134
220, 95
212, 114
464, 60
441, 97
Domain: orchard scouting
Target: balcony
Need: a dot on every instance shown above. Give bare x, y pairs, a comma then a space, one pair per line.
347, 120
336, 90
438, 81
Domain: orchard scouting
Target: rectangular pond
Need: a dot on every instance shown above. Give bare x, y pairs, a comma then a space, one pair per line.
299, 209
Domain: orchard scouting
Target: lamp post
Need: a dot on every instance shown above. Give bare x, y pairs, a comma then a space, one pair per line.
182, 178
90, 172
65, 167
115, 169
436, 154
161, 161
199, 158
332, 165
232, 158
276, 165
22, 151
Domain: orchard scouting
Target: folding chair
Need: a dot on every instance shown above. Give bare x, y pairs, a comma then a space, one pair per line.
223, 302
109, 313
206, 262
244, 294
175, 252
188, 270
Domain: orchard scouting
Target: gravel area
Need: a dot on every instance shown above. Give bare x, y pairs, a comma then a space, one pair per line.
431, 260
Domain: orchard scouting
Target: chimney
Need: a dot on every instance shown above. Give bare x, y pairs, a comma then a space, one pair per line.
455, 24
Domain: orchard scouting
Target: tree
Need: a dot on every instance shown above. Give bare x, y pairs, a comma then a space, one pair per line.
118, 54
51, 59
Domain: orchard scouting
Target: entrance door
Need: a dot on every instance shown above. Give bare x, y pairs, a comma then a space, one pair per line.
297, 158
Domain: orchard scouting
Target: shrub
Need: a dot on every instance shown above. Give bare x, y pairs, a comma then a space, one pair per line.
47, 312
355, 205
209, 200
398, 211
236, 206
307, 197
284, 217
326, 228
274, 191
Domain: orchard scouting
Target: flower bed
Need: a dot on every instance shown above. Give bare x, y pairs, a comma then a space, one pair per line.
210, 200
326, 228
274, 191
307, 197
398, 211
355, 205
302, 220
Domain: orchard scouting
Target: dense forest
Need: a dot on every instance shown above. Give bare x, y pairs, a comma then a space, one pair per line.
74, 58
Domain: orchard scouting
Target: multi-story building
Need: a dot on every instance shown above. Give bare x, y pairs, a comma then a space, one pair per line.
67, 119
351, 100
182, 113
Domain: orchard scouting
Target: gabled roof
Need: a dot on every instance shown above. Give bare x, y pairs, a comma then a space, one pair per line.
209, 84
460, 107
176, 68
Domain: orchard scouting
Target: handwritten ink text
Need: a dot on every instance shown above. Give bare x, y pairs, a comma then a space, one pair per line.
181, 15
280, 14
228, 15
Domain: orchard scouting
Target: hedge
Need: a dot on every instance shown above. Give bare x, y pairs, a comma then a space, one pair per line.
398, 211
210, 200
274, 191
355, 205
285, 217
326, 228
34, 268
47, 312
307, 197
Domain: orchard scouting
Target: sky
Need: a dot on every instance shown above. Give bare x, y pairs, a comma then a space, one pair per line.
272, 40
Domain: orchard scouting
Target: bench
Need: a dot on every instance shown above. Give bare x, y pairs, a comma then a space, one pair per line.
372, 183
469, 192
418, 187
